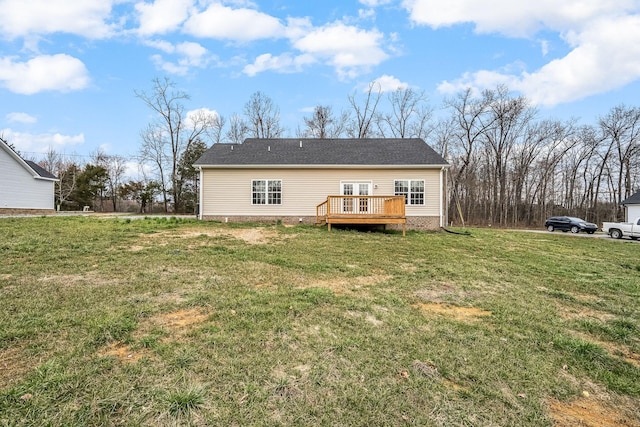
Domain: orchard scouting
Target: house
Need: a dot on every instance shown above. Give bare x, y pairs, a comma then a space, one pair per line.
25, 187
295, 180
632, 207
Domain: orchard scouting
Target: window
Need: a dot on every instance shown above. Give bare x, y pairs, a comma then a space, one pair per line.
266, 192
411, 189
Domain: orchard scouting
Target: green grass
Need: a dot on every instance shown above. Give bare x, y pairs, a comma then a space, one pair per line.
180, 322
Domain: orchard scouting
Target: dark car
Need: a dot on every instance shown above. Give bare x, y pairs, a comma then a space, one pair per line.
569, 223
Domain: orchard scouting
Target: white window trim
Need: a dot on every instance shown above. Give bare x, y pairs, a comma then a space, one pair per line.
408, 198
266, 192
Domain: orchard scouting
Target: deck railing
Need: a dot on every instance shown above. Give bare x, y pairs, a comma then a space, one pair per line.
362, 210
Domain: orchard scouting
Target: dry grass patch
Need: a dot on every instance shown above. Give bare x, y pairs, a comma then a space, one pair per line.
14, 365
252, 236
344, 285
462, 314
569, 312
91, 278
162, 298
615, 350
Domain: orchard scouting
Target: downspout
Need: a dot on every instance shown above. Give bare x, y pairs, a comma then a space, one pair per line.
200, 191
442, 197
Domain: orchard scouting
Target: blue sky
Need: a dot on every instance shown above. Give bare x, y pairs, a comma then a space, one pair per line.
68, 69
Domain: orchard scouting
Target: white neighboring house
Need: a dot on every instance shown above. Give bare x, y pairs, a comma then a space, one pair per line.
632, 206
25, 187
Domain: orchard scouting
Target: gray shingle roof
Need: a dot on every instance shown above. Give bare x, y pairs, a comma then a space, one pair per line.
633, 200
40, 170
320, 152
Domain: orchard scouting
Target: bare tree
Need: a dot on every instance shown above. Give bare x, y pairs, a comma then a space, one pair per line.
263, 117
621, 127
171, 133
154, 151
238, 130
217, 125
65, 170
116, 166
409, 116
365, 114
469, 124
508, 118
324, 124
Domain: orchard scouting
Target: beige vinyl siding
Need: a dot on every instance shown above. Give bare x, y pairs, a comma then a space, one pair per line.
228, 191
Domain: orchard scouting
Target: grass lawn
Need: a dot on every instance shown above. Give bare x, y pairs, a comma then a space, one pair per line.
179, 322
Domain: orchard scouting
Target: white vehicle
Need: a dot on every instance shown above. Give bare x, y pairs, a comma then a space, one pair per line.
617, 230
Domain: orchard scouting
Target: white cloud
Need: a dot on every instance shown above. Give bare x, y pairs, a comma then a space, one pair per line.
243, 24
162, 16
518, 19
41, 143
195, 115
388, 83
60, 72
374, 3
88, 18
604, 36
544, 47
285, 63
135, 171
347, 48
607, 57
190, 55
20, 118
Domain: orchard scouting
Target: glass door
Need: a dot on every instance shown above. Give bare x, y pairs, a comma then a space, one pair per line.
353, 204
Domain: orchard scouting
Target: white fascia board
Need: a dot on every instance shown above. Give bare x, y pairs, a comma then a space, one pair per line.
323, 166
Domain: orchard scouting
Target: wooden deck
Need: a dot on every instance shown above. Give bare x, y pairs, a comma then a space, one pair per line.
357, 210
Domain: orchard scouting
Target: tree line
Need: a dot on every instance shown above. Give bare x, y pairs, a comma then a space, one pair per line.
509, 167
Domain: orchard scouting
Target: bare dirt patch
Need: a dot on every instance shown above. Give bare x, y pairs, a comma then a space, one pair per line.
14, 365
120, 351
252, 236
596, 407
444, 293
463, 314
177, 323
588, 412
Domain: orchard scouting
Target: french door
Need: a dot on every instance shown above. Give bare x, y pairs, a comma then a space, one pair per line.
353, 204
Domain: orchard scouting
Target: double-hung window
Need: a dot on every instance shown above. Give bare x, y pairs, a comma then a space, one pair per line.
411, 189
266, 192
